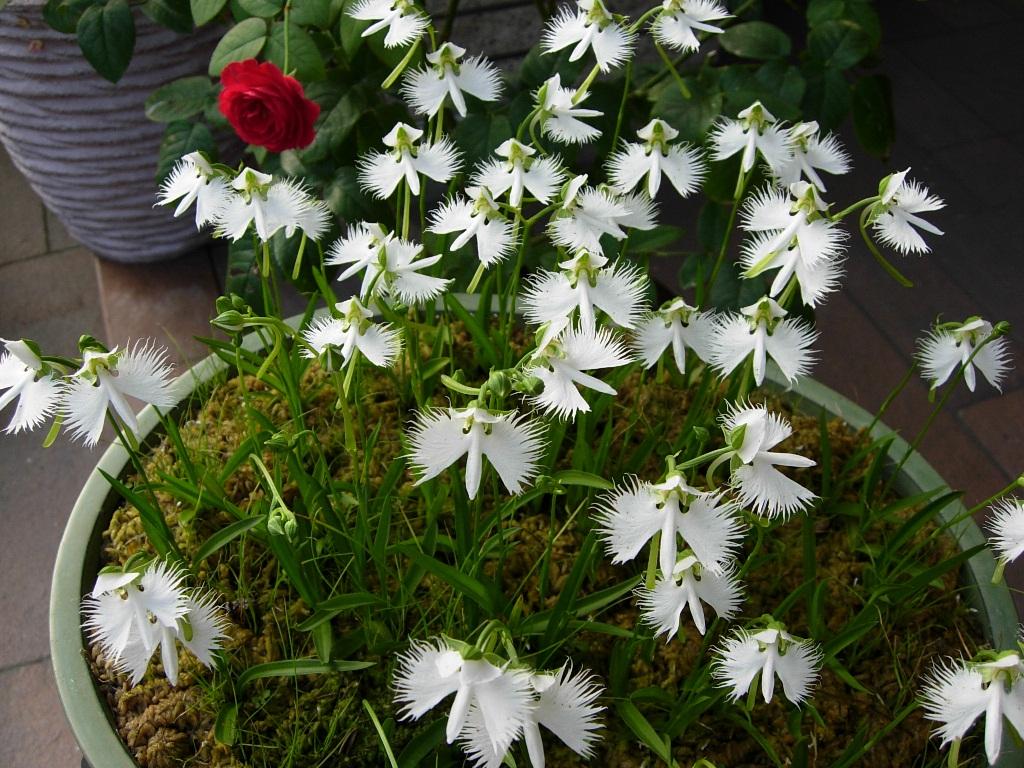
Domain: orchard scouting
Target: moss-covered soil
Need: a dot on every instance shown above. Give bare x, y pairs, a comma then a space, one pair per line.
320, 720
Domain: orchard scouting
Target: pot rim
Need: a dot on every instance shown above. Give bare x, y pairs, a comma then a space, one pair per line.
90, 718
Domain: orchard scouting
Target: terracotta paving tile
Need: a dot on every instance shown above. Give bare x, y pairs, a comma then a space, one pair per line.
22, 232
33, 733
169, 301
999, 422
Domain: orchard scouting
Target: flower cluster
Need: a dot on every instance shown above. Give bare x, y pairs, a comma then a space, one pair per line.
132, 613
536, 389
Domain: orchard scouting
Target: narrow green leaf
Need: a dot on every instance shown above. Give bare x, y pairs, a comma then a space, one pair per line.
106, 35
423, 745
204, 11
380, 733
585, 479
243, 41
296, 668
328, 609
643, 730
179, 99
152, 519
225, 536
224, 725
477, 331
463, 583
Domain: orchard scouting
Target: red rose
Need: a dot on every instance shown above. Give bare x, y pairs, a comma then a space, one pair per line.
265, 107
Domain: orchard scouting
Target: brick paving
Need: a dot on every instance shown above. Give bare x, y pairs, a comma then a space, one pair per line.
958, 101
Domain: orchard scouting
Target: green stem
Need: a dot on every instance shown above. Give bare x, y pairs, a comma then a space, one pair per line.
622, 104
894, 273
938, 408
995, 497
892, 396
683, 89
652, 562
856, 206
400, 68
581, 92
407, 212
287, 11
741, 183
477, 276
298, 258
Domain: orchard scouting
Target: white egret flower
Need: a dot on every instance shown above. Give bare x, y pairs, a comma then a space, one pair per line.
895, 216
957, 693
1006, 529
448, 75
106, 379
769, 652
201, 630
512, 444
127, 608
518, 170
476, 218
559, 114
949, 346
501, 697
760, 330
630, 515
755, 130
811, 154
27, 380
680, 20
752, 432
587, 213
401, 18
269, 206
390, 263
688, 586
194, 180
678, 325
354, 330
560, 361
380, 172
587, 283
589, 26
641, 211
682, 164
564, 704
792, 236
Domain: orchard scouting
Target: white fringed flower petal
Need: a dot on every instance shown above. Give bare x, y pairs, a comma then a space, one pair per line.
37, 398
742, 656
512, 444
1006, 529
679, 22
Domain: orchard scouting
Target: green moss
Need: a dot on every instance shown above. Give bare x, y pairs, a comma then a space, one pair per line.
320, 720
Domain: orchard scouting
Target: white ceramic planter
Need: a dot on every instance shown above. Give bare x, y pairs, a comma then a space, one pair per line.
85, 144
78, 562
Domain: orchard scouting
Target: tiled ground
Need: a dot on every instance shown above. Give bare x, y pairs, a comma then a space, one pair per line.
956, 86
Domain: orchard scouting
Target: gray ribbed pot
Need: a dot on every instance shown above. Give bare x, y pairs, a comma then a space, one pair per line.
78, 563
85, 144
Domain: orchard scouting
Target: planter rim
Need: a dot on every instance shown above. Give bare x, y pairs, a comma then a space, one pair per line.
90, 719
